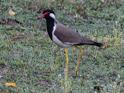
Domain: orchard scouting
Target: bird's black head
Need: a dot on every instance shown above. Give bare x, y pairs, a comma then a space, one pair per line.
47, 14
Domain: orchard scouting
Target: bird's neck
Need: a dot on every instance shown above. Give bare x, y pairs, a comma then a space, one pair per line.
50, 26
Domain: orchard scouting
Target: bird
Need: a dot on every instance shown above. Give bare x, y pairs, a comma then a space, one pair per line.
64, 36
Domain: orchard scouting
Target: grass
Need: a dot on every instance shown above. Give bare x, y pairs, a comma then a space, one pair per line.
29, 58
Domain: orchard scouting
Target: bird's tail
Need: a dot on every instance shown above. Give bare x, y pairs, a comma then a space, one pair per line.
87, 41
97, 44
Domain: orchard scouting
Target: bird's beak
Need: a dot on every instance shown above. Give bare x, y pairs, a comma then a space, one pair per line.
40, 16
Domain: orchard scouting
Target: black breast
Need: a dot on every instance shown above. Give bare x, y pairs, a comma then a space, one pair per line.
50, 25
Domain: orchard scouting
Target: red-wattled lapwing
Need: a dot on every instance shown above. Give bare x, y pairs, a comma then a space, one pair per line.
63, 36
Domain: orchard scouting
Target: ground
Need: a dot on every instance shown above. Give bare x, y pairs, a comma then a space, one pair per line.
30, 59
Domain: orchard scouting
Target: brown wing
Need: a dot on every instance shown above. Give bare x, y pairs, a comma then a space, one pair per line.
67, 35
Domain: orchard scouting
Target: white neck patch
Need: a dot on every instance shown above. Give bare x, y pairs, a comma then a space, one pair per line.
52, 15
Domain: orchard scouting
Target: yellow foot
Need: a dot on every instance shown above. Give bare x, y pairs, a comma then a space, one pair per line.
67, 86
76, 71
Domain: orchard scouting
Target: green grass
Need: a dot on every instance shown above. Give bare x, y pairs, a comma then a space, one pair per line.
29, 58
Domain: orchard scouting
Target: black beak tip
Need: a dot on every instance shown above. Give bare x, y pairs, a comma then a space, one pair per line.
39, 17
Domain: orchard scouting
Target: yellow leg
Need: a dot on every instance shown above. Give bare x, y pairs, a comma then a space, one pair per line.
78, 62
66, 65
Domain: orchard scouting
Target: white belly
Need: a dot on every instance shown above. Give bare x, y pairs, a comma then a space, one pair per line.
59, 43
